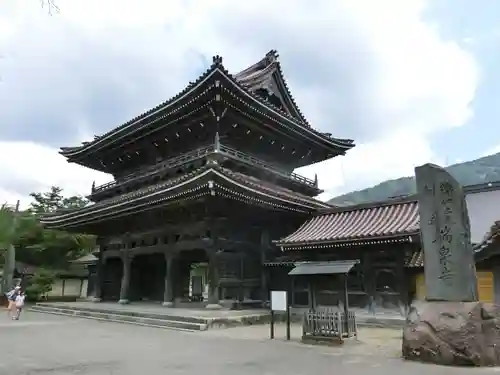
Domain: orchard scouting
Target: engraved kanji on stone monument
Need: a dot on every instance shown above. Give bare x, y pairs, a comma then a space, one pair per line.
450, 272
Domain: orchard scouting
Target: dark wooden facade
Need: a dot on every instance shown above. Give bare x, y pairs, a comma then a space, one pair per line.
205, 178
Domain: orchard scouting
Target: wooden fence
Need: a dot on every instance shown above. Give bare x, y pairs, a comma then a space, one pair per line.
328, 325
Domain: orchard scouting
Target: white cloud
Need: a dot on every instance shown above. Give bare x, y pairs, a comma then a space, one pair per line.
375, 71
395, 155
28, 167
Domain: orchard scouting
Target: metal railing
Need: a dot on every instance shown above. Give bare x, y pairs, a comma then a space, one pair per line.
196, 154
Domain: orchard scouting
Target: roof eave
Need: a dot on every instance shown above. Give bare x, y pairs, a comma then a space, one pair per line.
407, 237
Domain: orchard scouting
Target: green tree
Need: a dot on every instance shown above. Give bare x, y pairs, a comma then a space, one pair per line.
11, 230
40, 246
56, 247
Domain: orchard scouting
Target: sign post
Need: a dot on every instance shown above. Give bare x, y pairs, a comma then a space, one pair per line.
279, 302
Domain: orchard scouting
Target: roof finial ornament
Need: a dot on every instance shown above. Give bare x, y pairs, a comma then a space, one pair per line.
217, 60
315, 180
272, 56
93, 186
217, 142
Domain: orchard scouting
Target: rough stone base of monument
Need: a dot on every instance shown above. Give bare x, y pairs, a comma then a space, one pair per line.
453, 333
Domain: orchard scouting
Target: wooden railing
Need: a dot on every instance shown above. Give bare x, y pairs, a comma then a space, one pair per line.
328, 324
196, 154
169, 163
254, 161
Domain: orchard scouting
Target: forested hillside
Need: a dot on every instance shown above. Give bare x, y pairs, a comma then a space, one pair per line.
486, 169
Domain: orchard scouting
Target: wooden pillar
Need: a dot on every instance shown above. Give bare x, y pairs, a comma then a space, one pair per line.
99, 269
125, 283
213, 282
402, 279
241, 293
264, 282
168, 295
369, 280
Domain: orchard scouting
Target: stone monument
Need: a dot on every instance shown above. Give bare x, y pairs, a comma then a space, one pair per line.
450, 271
450, 327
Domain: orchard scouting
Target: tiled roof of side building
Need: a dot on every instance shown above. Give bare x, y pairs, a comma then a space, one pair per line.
490, 238
389, 222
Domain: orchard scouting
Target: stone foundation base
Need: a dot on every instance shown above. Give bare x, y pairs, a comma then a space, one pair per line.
453, 333
213, 306
123, 301
96, 299
167, 304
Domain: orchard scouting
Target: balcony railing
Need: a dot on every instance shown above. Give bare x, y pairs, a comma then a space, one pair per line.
254, 161
198, 153
166, 164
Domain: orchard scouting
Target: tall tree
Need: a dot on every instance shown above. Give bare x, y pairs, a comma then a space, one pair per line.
37, 245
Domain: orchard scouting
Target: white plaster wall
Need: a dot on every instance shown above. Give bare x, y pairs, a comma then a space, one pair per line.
72, 287
85, 285
484, 210
56, 289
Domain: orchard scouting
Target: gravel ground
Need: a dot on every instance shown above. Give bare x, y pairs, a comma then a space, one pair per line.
48, 344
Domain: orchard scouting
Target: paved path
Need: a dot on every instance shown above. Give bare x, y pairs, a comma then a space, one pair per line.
46, 344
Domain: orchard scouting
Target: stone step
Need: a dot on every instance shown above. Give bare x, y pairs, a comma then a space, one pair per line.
123, 318
97, 309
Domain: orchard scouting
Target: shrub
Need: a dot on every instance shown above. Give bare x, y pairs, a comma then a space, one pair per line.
39, 285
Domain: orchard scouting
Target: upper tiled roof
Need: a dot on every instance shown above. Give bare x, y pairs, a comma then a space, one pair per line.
267, 74
182, 97
378, 223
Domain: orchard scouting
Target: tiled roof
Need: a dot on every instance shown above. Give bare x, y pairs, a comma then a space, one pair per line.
492, 236
264, 74
89, 258
182, 98
386, 222
203, 181
416, 259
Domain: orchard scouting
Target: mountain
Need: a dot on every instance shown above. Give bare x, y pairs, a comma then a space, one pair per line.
479, 171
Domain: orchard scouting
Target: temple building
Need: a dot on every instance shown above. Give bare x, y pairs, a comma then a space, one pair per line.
202, 184
382, 241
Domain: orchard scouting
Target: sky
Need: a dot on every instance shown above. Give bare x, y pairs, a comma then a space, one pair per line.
410, 81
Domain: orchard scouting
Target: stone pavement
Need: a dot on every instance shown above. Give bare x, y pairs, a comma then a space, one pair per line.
371, 341
49, 344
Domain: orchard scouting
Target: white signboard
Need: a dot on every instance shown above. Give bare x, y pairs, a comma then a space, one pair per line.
278, 300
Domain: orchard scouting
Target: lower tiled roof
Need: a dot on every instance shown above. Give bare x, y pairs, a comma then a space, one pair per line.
213, 179
378, 223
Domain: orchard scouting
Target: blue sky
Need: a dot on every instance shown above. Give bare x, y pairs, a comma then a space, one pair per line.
411, 81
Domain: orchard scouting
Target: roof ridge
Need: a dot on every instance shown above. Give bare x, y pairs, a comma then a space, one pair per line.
368, 205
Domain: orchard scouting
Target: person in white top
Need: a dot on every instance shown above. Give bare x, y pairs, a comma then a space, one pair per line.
11, 297
19, 304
